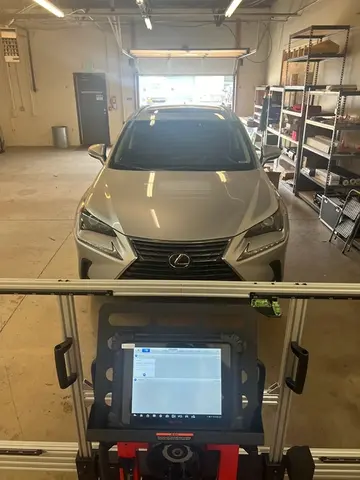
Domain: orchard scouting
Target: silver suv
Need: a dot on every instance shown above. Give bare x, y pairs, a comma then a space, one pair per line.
182, 195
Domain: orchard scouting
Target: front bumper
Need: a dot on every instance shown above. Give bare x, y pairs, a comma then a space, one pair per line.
96, 265
265, 266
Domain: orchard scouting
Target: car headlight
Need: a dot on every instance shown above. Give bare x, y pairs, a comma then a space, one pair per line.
97, 234
267, 234
274, 223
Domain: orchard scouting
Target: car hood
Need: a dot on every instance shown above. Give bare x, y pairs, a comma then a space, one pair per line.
181, 206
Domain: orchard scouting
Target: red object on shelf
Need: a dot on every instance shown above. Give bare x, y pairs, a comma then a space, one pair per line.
294, 135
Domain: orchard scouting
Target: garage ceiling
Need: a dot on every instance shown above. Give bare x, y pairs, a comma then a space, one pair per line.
119, 4
86, 10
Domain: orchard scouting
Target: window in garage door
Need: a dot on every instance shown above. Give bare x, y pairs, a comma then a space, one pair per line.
186, 89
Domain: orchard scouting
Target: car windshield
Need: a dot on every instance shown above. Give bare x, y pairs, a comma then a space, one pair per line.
203, 144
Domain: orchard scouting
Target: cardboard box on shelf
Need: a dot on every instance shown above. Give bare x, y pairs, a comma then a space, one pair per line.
333, 179
294, 79
349, 87
320, 142
327, 46
309, 171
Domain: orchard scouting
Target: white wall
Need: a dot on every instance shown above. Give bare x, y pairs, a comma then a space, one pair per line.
253, 71
181, 35
26, 117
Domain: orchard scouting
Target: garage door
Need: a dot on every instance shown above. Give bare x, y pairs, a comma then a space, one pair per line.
186, 89
187, 62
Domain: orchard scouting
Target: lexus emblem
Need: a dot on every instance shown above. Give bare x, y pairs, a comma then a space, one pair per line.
179, 260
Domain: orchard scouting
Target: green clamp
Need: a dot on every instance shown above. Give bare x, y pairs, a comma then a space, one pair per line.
269, 307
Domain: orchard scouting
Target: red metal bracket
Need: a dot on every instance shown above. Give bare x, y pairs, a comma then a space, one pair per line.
128, 450
229, 456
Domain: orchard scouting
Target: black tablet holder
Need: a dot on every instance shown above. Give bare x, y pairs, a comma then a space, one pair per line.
248, 374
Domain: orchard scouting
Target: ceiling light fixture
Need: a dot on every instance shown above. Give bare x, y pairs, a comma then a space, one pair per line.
148, 23
190, 54
145, 12
232, 7
51, 8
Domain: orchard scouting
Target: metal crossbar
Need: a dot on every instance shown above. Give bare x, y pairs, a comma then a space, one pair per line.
158, 288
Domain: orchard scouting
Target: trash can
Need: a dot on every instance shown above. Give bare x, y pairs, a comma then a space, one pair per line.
60, 137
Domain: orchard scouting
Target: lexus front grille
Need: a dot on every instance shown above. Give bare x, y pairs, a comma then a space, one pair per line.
198, 261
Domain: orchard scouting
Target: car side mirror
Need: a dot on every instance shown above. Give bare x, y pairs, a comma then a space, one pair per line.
98, 151
269, 154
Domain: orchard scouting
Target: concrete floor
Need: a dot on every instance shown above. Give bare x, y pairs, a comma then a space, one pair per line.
39, 193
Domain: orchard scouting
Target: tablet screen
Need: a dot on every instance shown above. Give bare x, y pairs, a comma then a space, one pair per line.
182, 383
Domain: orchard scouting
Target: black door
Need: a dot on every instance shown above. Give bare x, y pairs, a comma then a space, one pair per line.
91, 101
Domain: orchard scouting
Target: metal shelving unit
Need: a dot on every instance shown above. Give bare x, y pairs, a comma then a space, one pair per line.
258, 101
315, 57
276, 134
291, 113
253, 131
280, 133
303, 94
272, 133
313, 34
332, 129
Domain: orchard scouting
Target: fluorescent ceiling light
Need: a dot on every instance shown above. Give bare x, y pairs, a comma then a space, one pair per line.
192, 53
232, 7
148, 23
51, 8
